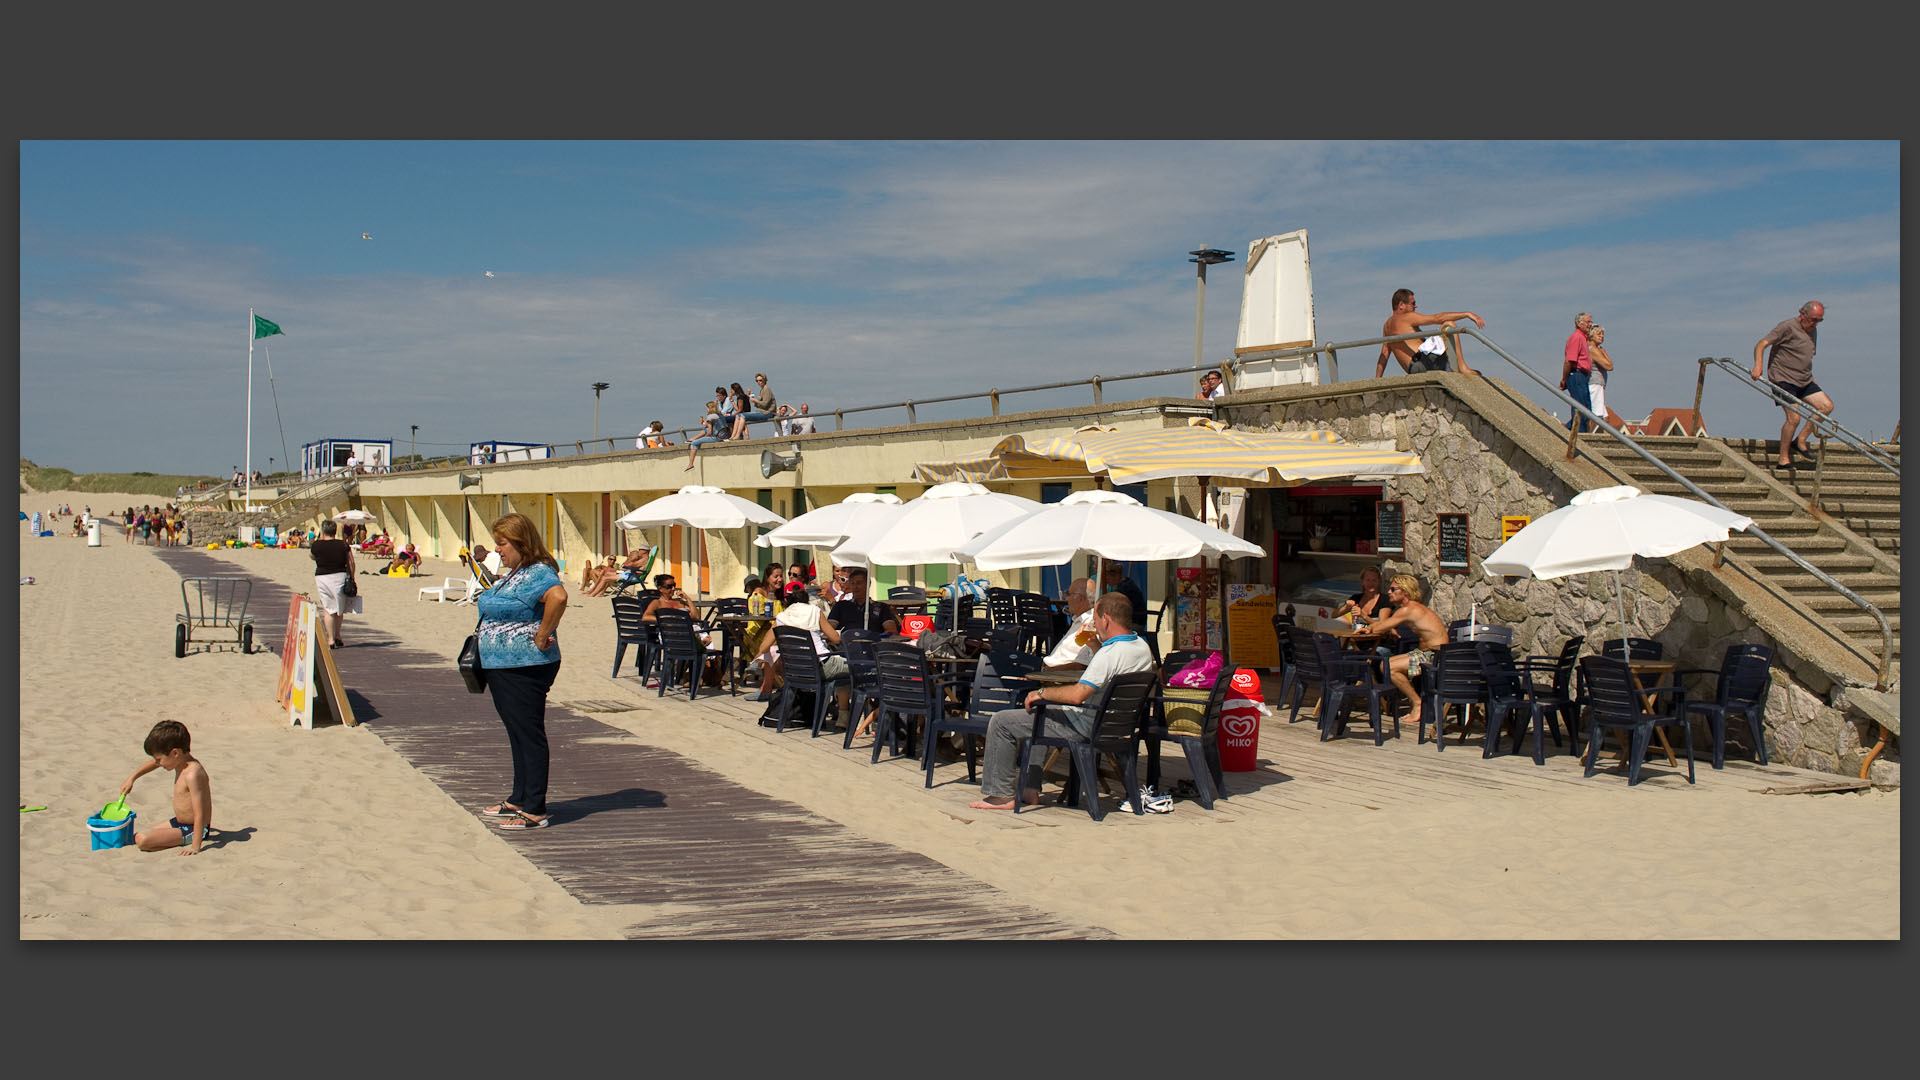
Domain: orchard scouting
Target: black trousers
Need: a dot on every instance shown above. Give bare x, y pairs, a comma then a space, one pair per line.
520, 697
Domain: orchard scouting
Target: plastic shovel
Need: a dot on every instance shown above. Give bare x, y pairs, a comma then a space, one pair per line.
115, 810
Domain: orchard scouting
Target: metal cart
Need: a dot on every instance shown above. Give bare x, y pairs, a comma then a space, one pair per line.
217, 605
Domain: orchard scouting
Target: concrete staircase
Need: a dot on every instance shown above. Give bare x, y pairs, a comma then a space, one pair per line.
1852, 535
289, 505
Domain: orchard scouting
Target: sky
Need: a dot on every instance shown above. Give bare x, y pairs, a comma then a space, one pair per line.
865, 273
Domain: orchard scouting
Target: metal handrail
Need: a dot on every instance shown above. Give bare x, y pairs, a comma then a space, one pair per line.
1821, 421
1886, 631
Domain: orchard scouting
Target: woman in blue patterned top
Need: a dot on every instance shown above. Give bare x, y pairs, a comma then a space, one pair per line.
521, 656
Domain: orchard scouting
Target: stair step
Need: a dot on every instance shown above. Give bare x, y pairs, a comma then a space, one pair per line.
1827, 600
1834, 565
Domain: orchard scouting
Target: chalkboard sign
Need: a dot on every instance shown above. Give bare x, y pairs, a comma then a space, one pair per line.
1390, 527
1454, 540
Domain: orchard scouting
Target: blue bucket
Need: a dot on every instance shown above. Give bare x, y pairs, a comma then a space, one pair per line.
111, 834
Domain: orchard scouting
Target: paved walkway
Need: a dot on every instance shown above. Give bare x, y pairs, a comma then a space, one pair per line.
658, 828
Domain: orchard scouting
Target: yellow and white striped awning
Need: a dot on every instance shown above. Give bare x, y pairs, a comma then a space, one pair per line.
1202, 448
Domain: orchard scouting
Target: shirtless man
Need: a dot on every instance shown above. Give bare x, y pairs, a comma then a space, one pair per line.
169, 747
1406, 320
1403, 592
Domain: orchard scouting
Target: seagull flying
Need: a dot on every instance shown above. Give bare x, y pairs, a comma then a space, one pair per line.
366, 236
489, 273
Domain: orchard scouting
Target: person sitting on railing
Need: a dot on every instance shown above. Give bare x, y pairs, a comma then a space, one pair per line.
760, 406
1406, 320
794, 421
1790, 367
713, 425
651, 437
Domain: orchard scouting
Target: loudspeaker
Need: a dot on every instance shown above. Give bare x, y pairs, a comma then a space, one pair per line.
771, 462
468, 481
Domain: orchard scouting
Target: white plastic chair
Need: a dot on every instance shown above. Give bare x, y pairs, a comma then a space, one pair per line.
465, 587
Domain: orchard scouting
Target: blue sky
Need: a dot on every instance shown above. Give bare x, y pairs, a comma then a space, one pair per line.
868, 272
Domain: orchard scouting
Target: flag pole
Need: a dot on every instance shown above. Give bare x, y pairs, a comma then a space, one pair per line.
249, 472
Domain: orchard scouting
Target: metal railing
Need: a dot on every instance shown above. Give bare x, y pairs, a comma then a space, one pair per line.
1755, 531
1825, 426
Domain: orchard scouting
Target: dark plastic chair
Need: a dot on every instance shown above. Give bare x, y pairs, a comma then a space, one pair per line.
1150, 629
1308, 671
1455, 679
800, 674
1203, 750
1510, 690
1005, 638
629, 630
1615, 700
1035, 616
997, 684
679, 644
944, 618
1745, 676
1116, 730
908, 691
732, 649
1002, 608
863, 672
1352, 676
1643, 649
1285, 641
1556, 683
1460, 630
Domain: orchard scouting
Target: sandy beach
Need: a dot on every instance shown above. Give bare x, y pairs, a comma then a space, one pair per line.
335, 836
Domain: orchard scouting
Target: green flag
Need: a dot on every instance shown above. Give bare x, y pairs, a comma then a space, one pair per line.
263, 328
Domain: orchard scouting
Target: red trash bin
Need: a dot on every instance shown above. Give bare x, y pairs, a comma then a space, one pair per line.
1239, 733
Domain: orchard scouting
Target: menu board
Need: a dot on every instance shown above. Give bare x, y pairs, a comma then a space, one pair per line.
1390, 527
1250, 611
1455, 542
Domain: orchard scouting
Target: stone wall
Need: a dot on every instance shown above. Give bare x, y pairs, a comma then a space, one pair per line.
1474, 468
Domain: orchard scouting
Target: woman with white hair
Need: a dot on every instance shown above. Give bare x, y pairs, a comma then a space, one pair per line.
1602, 365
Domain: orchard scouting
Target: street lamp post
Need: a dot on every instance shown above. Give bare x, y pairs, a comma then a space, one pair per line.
597, 387
413, 451
1205, 257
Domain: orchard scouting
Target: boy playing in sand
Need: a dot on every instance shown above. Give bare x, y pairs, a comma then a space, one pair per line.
167, 745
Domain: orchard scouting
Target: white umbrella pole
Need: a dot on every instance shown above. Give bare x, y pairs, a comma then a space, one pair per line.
1621, 598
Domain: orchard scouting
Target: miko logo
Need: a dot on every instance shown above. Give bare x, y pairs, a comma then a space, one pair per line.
1244, 681
1238, 727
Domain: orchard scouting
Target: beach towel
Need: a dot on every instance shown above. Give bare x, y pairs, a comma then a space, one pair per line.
1199, 673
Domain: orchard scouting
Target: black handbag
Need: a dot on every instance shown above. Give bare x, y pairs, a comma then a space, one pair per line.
348, 588
471, 672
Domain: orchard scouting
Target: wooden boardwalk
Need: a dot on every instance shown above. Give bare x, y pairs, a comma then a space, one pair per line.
722, 860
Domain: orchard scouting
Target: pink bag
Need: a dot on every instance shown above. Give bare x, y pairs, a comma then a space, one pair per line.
1200, 674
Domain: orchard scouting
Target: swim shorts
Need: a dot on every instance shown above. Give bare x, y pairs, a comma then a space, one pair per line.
186, 831
1417, 659
1423, 362
1802, 391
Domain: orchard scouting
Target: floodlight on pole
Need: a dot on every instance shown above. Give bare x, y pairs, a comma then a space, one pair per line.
413, 449
597, 387
1205, 257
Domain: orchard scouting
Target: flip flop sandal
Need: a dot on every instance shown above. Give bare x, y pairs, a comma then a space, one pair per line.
524, 821
499, 810
1159, 804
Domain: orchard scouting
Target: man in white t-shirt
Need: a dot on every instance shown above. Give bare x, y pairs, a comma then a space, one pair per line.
1070, 651
1070, 710
353, 464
